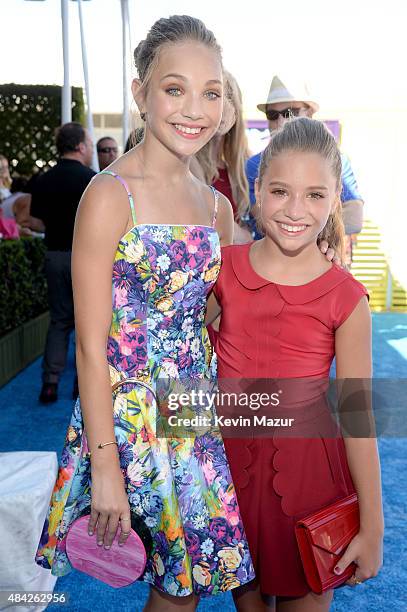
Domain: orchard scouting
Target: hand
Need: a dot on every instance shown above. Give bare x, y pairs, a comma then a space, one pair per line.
329, 252
25, 231
109, 507
241, 235
366, 551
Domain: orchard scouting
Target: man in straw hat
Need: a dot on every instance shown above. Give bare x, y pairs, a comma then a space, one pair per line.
283, 103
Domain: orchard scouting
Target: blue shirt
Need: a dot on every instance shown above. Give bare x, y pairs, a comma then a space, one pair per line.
349, 185
350, 189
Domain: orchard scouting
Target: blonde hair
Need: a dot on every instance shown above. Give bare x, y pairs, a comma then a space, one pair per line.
234, 150
311, 136
5, 177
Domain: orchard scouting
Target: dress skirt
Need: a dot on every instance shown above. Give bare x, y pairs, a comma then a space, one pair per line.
278, 481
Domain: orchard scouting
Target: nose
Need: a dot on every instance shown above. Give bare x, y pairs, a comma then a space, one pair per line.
281, 121
295, 208
192, 107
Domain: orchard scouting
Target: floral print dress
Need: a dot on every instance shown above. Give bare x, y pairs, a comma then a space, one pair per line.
180, 487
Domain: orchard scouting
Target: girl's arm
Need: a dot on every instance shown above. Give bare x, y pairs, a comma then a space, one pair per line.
22, 214
101, 220
353, 361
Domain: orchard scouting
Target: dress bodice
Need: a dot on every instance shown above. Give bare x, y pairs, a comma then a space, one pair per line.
162, 275
270, 330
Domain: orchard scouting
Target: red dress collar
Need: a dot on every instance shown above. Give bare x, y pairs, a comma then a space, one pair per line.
299, 294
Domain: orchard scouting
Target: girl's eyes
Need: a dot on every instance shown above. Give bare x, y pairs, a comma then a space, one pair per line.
212, 95
315, 195
173, 91
176, 92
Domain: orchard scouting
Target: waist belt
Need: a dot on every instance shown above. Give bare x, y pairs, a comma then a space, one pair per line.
134, 381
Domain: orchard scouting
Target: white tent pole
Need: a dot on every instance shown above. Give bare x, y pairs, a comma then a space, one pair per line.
95, 163
125, 27
129, 30
66, 99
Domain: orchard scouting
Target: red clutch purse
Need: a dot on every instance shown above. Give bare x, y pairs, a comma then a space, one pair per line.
322, 538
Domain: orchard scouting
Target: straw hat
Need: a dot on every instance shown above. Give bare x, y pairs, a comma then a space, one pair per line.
280, 93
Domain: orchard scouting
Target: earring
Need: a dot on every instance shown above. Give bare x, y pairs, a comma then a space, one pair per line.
143, 116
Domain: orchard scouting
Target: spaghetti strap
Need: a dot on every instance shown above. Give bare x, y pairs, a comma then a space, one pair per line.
123, 182
215, 210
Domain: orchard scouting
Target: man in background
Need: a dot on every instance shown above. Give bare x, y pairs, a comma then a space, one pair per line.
107, 150
282, 105
55, 199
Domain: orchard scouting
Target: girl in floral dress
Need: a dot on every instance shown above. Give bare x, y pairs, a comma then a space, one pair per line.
143, 265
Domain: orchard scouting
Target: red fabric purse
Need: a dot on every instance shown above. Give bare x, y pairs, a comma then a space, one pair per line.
322, 539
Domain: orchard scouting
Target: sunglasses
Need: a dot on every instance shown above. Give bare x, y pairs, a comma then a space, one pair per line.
286, 113
108, 150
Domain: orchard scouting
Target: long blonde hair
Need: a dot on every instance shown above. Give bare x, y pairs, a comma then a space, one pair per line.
311, 136
234, 150
5, 172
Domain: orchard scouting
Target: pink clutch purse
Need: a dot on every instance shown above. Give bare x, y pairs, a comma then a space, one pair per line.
118, 566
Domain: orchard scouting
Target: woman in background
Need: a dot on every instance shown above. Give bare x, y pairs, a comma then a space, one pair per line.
221, 162
17, 206
5, 178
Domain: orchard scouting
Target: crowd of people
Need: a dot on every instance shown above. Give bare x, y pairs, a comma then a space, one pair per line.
185, 226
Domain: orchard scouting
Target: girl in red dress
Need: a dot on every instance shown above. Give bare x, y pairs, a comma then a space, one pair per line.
286, 313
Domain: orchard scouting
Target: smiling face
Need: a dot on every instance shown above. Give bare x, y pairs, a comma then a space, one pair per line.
183, 101
297, 193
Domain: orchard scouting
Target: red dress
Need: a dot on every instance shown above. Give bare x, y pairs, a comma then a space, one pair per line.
223, 185
279, 331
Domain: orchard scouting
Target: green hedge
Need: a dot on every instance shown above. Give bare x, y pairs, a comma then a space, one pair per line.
29, 115
23, 288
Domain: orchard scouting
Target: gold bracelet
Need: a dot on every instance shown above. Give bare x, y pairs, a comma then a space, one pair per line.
102, 445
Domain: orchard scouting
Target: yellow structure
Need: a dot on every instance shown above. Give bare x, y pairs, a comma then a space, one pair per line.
370, 266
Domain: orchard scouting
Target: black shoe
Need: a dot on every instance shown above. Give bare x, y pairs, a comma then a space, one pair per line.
75, 390
49, 393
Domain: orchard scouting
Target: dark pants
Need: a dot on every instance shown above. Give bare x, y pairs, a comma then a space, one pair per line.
60, 299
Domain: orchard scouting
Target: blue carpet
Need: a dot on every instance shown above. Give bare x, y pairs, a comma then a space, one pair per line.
26, 425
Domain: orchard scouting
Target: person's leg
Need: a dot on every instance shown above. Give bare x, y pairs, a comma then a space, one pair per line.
161, 602
308, 603
60, 299
248, 598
